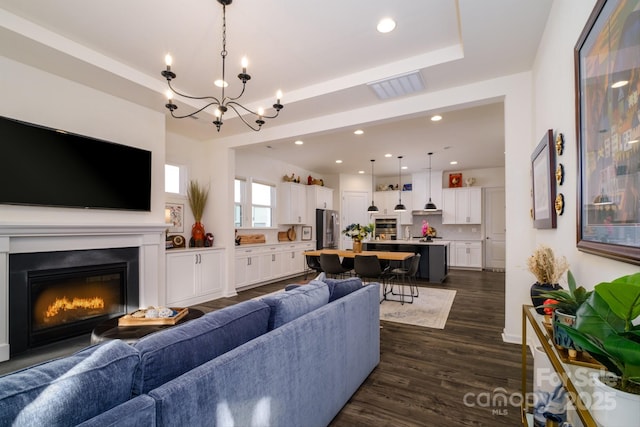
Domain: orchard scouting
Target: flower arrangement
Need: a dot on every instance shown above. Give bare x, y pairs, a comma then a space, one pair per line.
545, 266
427, 230
358, 232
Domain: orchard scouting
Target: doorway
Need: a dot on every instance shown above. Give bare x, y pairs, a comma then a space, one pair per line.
495, 228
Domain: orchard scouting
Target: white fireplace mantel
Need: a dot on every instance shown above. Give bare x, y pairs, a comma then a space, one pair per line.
26, 238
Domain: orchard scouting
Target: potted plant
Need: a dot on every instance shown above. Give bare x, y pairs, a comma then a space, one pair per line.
197, 197
605, 328
357, 233
564, 305
547, 270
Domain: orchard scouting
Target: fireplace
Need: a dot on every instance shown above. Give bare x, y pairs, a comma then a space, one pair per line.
58, 295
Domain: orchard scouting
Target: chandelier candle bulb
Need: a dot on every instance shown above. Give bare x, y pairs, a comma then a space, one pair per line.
245, 63
168, 60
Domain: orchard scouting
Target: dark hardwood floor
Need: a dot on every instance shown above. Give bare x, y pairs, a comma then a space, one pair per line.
427, 377
433, 377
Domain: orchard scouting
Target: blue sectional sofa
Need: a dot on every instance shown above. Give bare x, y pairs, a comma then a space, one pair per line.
290, 359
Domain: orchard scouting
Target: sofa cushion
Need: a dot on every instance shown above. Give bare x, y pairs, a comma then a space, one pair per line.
287, 306
341, 287
169, 353
70, 390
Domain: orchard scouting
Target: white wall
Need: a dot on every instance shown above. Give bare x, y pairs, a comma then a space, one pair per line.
34, 96
553, 108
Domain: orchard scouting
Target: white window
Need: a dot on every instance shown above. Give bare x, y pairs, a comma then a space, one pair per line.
239, 200
253, 204
175, 179
262, 204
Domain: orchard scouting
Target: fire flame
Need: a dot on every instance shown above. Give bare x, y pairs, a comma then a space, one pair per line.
76, 303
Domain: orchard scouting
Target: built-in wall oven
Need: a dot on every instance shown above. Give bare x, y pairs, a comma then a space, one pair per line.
386, 228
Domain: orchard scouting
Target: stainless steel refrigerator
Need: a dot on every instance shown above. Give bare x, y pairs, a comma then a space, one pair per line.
327, 229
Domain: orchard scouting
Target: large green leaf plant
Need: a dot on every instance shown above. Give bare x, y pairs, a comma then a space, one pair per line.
605, 328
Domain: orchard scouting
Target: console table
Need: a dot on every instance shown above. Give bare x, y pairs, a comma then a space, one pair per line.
567, 372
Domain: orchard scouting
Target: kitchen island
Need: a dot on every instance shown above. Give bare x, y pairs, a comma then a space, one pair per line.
434, 255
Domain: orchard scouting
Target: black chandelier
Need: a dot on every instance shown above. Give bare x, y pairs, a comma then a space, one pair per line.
225, 102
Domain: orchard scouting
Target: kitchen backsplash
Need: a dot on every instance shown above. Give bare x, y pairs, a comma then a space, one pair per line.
446, 231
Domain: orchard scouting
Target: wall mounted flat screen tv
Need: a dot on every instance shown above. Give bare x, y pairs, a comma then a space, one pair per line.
41, 166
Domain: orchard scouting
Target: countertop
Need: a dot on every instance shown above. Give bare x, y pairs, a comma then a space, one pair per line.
436, 242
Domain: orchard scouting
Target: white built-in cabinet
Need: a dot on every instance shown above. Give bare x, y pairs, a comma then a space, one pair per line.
466, 254
387, 200
261, 264
319, 197
292, 203
194, 276
247, 266
462, 205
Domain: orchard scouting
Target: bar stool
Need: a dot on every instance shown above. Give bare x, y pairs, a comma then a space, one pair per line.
407, 275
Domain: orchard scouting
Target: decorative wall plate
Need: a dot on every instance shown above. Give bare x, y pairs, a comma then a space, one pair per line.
560, 174
559, 204
559, 144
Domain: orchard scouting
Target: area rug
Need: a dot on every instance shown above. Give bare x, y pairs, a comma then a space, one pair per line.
430, 309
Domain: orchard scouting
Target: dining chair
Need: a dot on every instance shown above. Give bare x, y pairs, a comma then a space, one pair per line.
313, 263
368, 267
331, 265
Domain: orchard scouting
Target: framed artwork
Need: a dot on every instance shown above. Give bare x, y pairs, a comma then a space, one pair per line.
455, 180
607, 76
543, 182
174, 216
306, 232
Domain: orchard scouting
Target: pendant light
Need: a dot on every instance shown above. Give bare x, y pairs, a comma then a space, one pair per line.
430, 206
400, 207
373, 208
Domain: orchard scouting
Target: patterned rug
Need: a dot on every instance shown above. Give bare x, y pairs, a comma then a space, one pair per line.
430, 309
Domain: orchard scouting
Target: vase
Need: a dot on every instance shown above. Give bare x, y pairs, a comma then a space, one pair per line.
197, 233
357, 246
614, 408
541, 288
560, 336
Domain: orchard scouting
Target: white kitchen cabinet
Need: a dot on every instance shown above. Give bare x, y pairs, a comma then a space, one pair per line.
292, 203
319, 197
270, 263
466, 254
261, 264
462, 205
193, 276
247, 267
387, 200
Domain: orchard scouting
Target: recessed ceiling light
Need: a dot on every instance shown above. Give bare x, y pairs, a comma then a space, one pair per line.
361, 172
436, 118
404, 167
220, 83
633, 141
388, 155
359, 132
386, 25
298, 142
338, 161
454, 162
619, 83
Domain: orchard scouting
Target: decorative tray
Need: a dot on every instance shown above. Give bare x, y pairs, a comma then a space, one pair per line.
137, 318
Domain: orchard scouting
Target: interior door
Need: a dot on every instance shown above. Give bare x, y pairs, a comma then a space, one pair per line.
495, 228
354, 210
